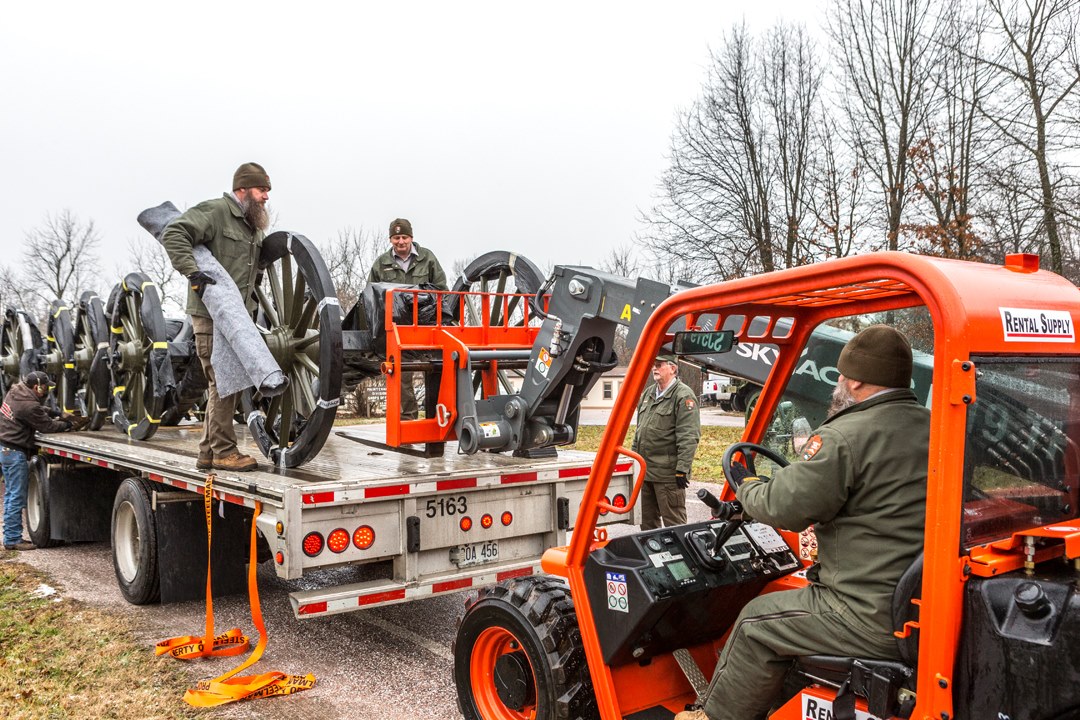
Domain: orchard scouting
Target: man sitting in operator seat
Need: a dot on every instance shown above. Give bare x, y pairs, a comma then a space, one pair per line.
861, 482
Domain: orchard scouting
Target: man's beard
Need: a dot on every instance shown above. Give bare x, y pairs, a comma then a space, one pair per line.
842, 398
255, 213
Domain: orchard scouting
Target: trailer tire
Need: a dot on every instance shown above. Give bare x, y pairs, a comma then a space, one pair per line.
134, 542
518, 653
37, 505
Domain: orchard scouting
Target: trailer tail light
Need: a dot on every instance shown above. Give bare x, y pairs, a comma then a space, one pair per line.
364, 537
603, 511
507, 517
338, 540
619, 501
465, 524
486, 521
279, 527
313, 544
279, 557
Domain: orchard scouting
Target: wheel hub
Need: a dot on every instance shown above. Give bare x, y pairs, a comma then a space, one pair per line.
513, 681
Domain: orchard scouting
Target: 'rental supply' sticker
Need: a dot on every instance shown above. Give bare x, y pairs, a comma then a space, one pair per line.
1029, 325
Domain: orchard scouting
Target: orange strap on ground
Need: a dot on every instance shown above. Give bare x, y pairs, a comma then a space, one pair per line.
230, 687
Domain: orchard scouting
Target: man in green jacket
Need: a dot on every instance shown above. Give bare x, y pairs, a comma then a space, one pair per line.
409, 264
232, 228
861, 482
667, 435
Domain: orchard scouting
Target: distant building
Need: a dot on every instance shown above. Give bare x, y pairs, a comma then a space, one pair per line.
603, 393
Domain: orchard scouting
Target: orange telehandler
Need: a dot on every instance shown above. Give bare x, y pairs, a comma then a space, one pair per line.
988, 617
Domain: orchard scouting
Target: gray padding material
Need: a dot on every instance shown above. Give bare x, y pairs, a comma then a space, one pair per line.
240, 358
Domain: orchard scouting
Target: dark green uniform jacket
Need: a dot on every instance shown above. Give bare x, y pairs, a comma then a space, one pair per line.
219, 225
668, 431
425, 268
861, 481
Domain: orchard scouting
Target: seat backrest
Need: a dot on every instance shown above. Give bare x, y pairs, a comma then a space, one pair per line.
908, 588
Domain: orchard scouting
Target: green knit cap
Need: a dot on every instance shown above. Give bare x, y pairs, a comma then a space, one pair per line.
250, 175
400, 226
878, 355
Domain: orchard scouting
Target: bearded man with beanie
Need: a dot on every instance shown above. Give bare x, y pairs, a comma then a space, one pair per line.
861, 483
232, 228
22, 413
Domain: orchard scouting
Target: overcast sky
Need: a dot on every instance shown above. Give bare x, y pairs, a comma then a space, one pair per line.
535, 127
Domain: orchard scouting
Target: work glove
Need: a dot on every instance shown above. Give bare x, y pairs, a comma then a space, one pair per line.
199, 280
739, 473
76, 422
681, 480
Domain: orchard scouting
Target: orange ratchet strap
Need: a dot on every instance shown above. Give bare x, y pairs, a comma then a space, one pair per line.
229, 687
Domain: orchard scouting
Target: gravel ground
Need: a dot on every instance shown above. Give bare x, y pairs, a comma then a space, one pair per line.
389, 663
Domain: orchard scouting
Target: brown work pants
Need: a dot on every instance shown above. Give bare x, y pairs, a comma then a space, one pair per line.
218, 436
662, 501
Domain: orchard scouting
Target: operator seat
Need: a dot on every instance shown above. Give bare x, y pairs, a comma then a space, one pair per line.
886, 685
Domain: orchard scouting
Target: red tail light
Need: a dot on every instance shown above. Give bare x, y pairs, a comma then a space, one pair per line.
364, 537
619, 501
486, 521
338, 540
465, 524
603, 511
313, 544
507, 517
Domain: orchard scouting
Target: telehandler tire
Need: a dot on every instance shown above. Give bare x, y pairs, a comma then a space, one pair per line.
518, 654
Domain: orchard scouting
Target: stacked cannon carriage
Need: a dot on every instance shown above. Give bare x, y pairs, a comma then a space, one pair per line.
122, 362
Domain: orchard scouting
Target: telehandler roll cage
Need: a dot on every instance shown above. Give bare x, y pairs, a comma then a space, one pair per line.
964, 301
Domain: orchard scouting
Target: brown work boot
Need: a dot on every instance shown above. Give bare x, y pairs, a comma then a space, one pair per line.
692, 715
21, 545
204, 461
237, 462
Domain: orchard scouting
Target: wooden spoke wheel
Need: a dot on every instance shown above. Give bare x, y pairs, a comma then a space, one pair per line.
138, 357
91, 353
58, 358
300, 319
20, 348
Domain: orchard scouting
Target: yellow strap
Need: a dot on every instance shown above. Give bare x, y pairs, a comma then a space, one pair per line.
117, 330
158, 345
69, 366
142, 288
131, 427
59, 310
229, 686
155, 421
119, 389
50, 338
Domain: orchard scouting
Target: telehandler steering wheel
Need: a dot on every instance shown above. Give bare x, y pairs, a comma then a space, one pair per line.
748, 450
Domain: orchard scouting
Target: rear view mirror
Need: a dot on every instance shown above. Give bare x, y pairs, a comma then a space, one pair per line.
800, 433
703, 342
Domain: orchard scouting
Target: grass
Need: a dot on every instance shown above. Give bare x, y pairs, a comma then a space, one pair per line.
714, 441
61, 659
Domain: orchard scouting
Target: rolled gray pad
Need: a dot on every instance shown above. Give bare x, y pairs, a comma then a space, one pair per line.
240, 358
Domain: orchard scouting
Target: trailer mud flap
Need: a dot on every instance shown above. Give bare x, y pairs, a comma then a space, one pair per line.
182, 550
80, 503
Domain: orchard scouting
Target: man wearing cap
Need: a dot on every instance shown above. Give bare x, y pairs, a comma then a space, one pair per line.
667, 435
232, 228
21, 413
409, 264
861, 482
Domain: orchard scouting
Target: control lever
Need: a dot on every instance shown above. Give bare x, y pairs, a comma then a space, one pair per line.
720, 510
730, 512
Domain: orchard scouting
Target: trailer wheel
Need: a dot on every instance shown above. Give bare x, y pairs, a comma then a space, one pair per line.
518, 654
134, 542
92, 360
37, 505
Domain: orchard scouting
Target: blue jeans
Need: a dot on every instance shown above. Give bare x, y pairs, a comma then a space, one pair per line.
15, 470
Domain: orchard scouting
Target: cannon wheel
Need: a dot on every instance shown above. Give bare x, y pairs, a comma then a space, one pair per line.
20, 348
300, 319
59, 358
499, 271
92, 359
139, 357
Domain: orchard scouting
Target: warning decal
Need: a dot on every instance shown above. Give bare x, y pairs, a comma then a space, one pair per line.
1027, 325
543, 362
616, 592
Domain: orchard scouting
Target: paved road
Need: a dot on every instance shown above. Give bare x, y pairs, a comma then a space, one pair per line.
390, 663
709, 416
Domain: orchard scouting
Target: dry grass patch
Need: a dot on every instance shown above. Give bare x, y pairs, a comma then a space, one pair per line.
61, 659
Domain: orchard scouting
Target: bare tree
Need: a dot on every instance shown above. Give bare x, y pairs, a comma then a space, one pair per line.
349, 258
886, 50
16, 293
1038, 72
60, 259
838, 196
621, 261
147, 256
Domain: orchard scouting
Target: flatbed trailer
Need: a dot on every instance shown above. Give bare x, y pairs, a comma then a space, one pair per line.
423, 526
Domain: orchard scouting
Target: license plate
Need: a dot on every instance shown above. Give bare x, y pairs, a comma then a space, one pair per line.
476, 553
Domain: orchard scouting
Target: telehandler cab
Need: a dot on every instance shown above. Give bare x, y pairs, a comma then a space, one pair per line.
987, 619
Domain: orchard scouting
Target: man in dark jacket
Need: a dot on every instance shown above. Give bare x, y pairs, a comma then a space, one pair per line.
409, 264
231, 228
667, 435
21, 414
861, 482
